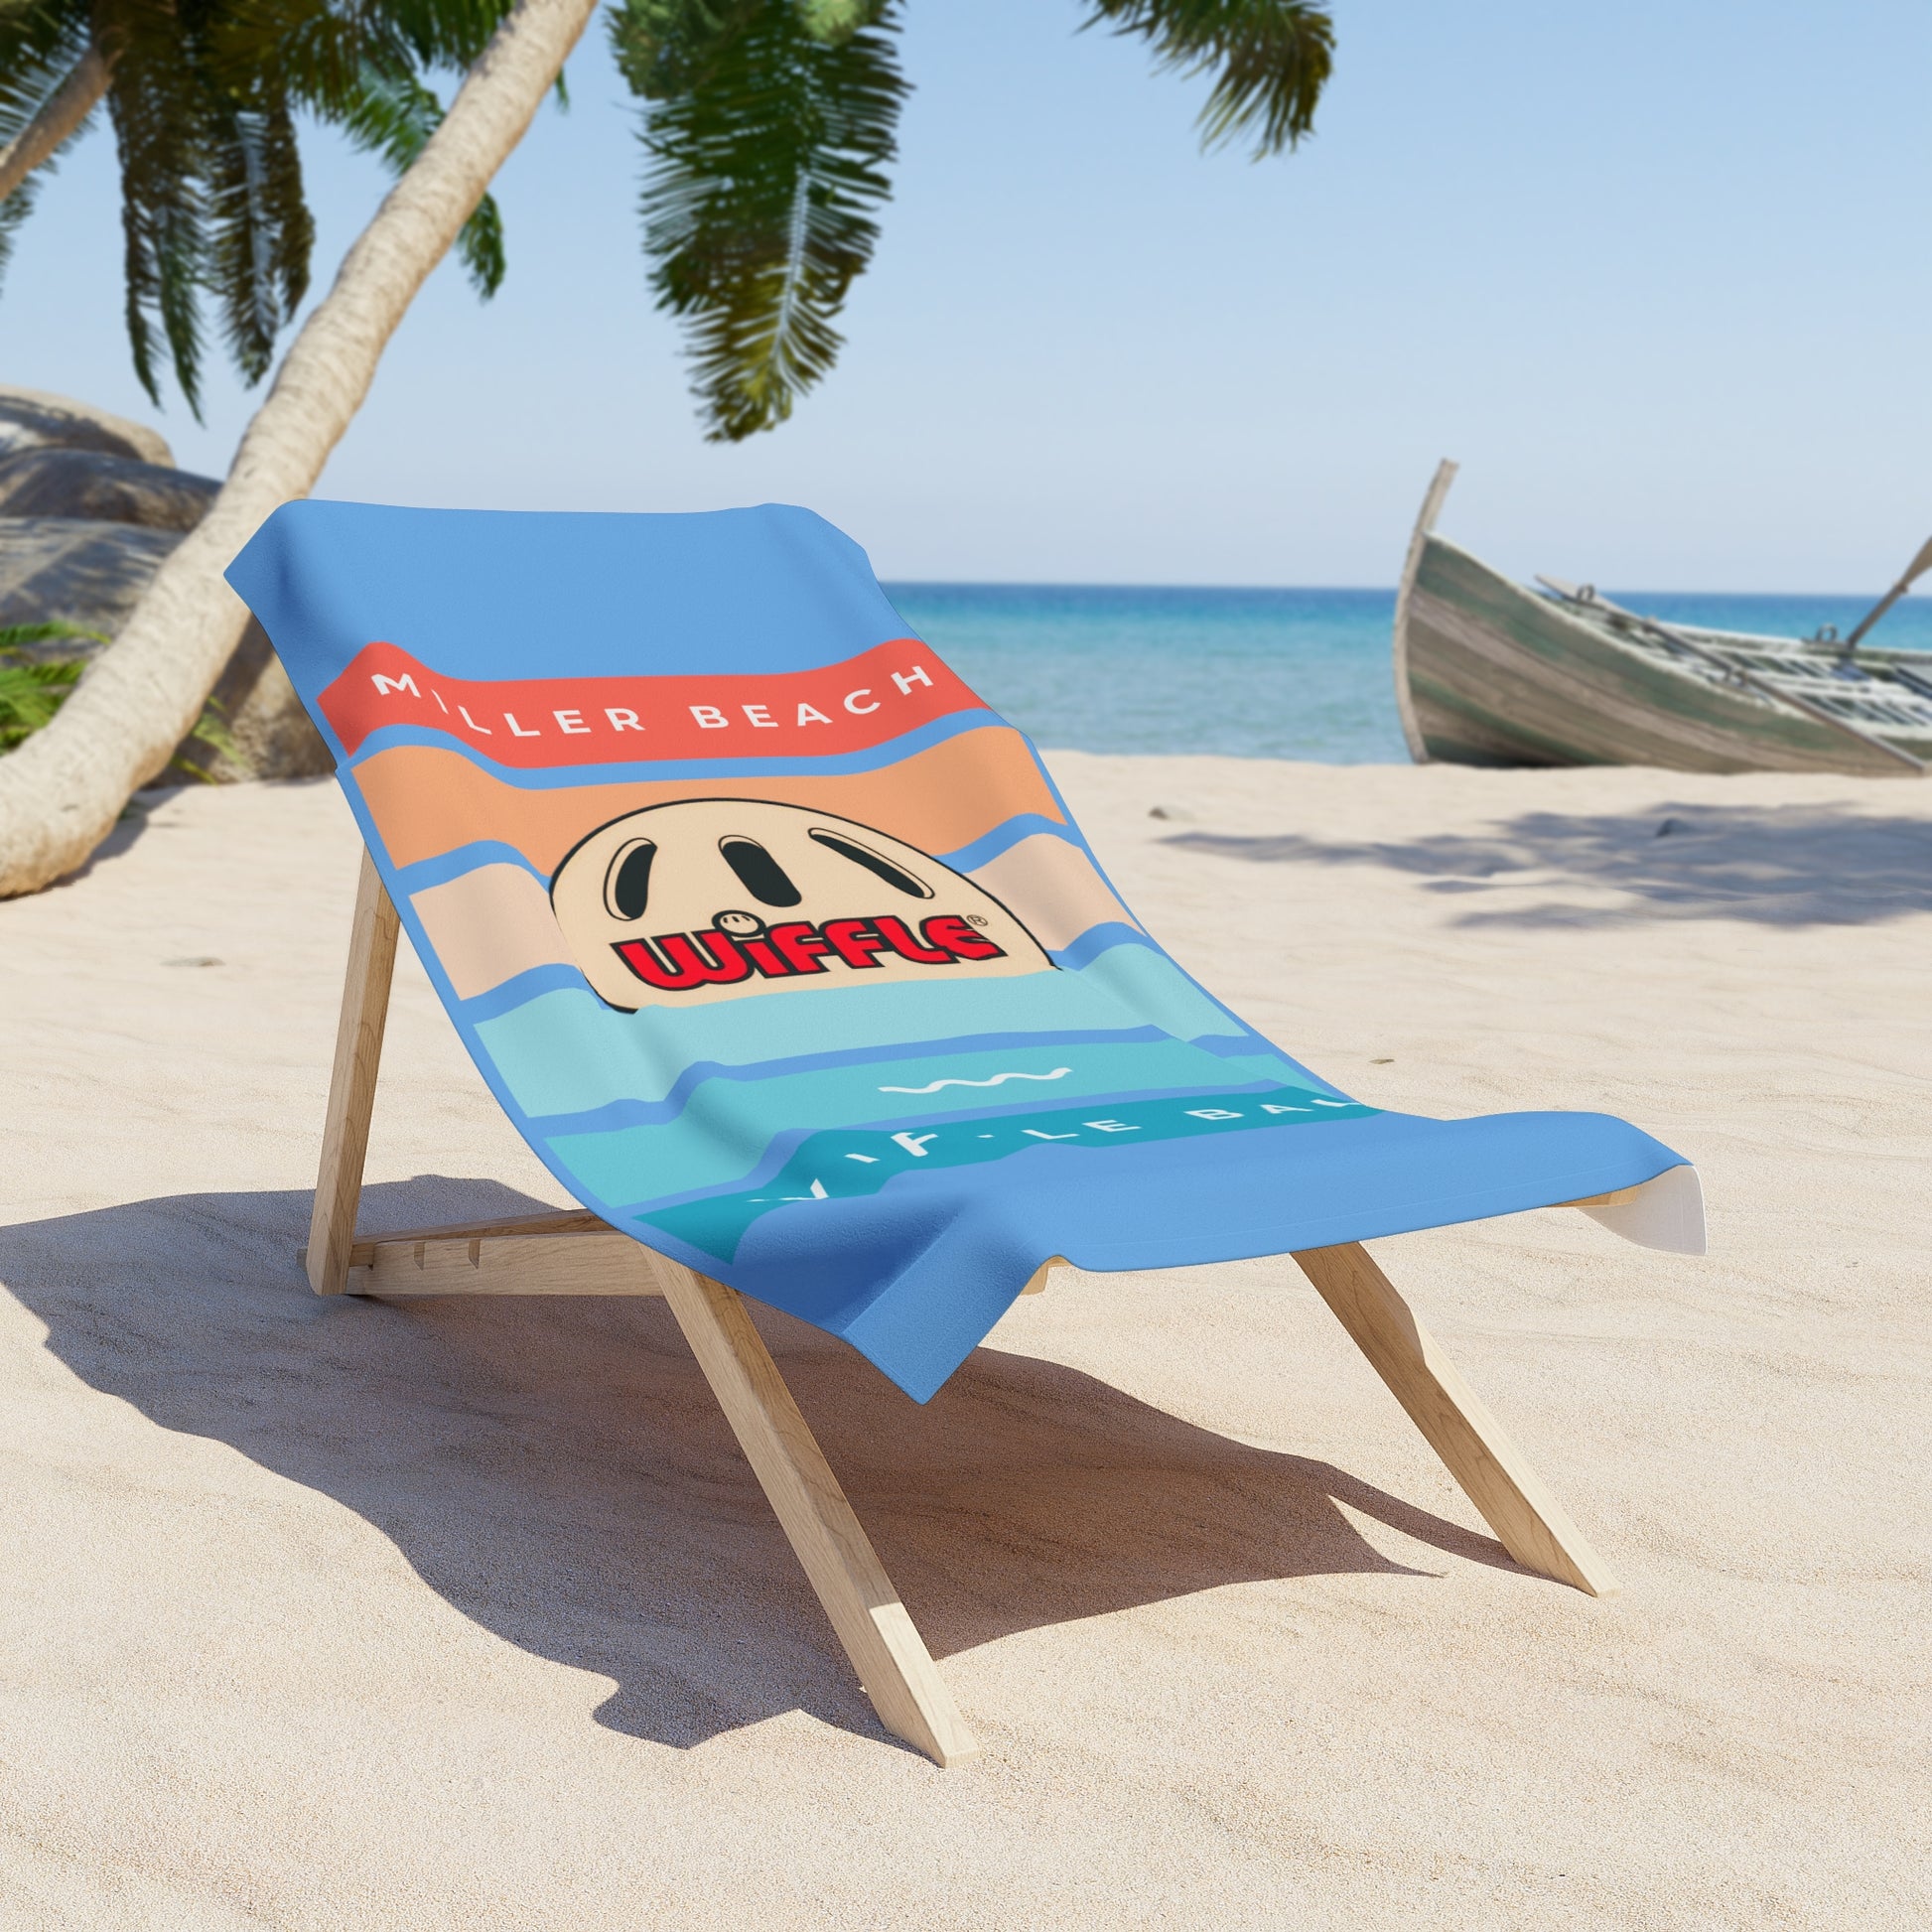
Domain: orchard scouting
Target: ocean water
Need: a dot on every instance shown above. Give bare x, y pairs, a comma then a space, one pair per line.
1249, 673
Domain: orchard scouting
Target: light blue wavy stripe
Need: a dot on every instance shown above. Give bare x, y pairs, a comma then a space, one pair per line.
559, 1050
1090, 945
1004, 837
727, 1125
554, 779
897, 1054
1235, 1046
522, 990
461, 859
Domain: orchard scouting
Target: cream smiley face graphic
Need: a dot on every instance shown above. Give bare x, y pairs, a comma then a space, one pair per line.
713, 898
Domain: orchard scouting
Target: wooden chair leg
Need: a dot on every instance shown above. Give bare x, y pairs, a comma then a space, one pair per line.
894, 1664
351, 1086
1528, 1520
891, 1660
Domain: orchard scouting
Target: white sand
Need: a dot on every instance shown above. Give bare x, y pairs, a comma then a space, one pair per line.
467, 1614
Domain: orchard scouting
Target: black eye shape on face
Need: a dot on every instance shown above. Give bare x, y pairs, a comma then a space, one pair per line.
627, 883
873, 862
758, 872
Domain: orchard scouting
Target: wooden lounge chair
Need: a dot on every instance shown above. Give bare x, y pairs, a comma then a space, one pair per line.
727, 1126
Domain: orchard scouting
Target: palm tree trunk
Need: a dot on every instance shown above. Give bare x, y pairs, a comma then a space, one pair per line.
60, 114
63, 789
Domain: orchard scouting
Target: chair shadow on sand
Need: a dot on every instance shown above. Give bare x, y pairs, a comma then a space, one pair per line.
557, 1470
1766, 865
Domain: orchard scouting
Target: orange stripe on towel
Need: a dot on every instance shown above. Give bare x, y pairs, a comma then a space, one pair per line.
1052, 889
426, 801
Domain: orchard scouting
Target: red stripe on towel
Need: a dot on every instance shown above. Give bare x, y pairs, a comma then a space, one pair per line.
537, 722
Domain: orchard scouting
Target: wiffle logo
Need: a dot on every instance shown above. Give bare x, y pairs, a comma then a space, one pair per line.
741, 945
637, 899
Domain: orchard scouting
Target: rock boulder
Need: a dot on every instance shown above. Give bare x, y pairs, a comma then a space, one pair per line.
77, 569
30, 419
89, 506
89, 484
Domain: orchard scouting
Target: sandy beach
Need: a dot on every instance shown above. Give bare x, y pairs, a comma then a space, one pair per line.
469, 1615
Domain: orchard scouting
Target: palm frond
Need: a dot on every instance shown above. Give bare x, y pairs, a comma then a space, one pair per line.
666, 49
446, 33
13, 211
29, 694
358, 66
158, 104
837, 20
480, 247
33, 688
391, 114
1270, 58
14, 638
260, 231
315, 51
39, 45
209, 731
767, 145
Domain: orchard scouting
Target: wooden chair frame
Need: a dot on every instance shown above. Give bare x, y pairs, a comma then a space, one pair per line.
574, 1252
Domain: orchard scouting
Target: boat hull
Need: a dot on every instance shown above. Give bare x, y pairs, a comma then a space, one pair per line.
1494, 674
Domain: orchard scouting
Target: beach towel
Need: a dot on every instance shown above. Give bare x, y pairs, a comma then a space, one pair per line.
783, 953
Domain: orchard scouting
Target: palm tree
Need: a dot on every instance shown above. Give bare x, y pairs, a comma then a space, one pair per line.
769, 125
202, 99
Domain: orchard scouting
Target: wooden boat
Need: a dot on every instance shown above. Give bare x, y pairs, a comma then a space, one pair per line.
1489, 672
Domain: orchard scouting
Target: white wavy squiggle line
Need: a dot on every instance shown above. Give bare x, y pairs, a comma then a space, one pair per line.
1058, 1073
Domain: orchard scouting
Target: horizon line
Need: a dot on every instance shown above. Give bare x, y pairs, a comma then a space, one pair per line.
1329, 590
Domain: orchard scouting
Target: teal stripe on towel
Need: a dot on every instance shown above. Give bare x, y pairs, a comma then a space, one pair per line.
727, 1125
564, 1052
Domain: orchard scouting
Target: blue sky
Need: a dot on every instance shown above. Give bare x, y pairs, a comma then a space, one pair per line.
1656, 274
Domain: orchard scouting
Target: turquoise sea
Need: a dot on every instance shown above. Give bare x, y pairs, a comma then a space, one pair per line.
1251, 673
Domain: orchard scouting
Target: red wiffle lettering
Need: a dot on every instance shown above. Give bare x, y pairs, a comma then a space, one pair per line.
682, 962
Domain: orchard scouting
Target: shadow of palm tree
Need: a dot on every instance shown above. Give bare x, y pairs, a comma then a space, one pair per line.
557, 1469
1769, 864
